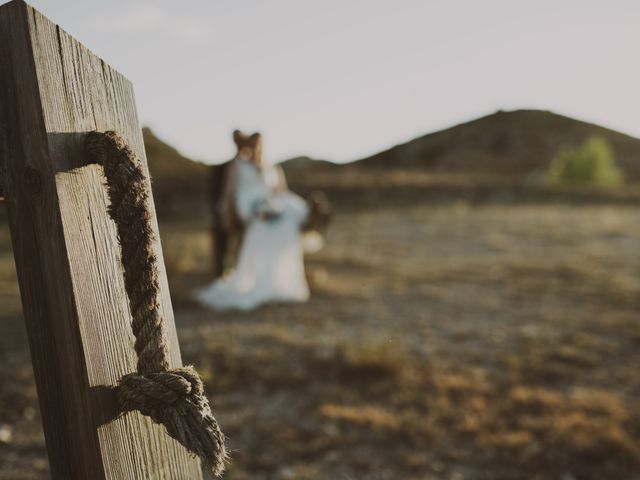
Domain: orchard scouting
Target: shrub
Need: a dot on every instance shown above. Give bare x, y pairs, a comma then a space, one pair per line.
591, 163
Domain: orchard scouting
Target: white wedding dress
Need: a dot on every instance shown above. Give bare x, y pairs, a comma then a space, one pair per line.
270, 266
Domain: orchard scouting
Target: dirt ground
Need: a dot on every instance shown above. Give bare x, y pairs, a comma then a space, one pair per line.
450, 341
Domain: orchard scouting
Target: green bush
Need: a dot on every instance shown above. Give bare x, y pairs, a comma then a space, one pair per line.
591, 163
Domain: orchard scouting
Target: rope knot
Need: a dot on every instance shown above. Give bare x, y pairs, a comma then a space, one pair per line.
176, 399
156, 391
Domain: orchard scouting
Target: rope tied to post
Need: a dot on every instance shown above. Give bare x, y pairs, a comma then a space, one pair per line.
174, 398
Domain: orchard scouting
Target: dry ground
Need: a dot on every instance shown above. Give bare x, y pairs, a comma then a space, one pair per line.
450, 341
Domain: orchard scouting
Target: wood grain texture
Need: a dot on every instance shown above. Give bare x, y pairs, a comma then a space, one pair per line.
52, 91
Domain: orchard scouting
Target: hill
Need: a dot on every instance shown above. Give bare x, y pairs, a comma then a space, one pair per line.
178, 182
304, 163
516, 143
483, 158
166, 161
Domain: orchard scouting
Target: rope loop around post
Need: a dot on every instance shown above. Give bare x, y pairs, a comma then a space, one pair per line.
174, 398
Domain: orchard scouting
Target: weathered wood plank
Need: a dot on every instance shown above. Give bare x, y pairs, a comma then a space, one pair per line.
71, 103
52, 90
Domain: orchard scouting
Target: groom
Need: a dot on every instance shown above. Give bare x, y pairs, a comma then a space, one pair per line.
227, 227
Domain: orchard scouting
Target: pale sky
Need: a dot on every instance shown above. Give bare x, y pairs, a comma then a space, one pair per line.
342, 79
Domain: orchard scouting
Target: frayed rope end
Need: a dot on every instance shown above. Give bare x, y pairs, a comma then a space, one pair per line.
176, 399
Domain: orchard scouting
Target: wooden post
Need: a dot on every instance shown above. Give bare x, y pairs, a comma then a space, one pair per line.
52, 91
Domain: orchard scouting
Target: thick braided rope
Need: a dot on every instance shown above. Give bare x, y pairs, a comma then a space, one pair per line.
174, 398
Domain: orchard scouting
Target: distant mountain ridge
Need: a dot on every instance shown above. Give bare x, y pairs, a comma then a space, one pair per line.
517, 142
176, 180
164, 160
513, 144
303, 162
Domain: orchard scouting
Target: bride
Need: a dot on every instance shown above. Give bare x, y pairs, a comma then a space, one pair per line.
270, 264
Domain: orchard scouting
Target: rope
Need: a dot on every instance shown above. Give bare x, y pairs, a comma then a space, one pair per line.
174, 398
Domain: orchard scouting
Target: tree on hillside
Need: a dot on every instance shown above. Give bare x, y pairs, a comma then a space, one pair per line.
591, 163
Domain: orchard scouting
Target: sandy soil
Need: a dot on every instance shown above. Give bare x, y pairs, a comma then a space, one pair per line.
442, 342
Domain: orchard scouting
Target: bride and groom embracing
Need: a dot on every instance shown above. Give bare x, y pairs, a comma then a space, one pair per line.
270, 264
